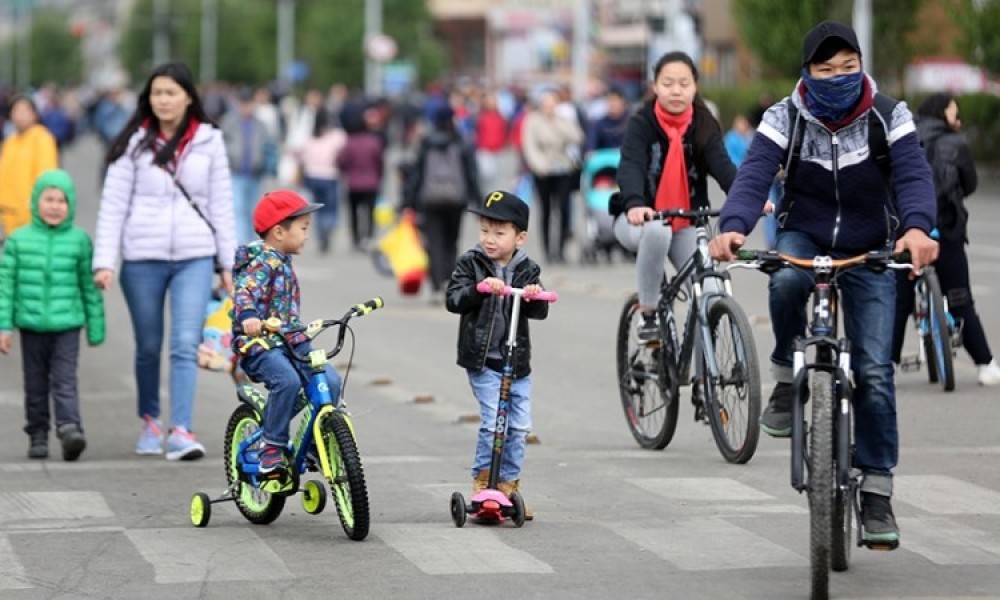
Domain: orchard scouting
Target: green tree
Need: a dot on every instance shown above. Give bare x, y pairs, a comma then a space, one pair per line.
56, 54
328, 38
978, 20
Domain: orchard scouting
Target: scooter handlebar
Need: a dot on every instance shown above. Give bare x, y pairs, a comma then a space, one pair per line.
545, 295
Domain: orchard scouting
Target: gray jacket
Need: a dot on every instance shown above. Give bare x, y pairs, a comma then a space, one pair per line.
232, 132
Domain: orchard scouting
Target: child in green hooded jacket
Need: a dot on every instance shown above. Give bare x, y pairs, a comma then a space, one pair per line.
47, 292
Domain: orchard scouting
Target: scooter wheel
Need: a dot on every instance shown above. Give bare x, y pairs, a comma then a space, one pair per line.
518, 502
201, 509
313, 497
458, 509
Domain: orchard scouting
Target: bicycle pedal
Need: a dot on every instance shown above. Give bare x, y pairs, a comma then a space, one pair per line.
882, 546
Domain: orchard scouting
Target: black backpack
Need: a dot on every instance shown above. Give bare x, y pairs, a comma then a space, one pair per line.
443, 181
879, 121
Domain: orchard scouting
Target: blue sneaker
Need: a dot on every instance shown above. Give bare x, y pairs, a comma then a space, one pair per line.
272, 458
150, 437
181, 445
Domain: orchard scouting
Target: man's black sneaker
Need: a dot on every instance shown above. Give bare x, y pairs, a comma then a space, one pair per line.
649, 330
39, 445
878, 525
776, 420
72, 439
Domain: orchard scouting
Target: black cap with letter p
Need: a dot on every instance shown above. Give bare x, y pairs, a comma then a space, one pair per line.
503, 206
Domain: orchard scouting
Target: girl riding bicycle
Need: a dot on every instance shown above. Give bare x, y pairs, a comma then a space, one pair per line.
670, 147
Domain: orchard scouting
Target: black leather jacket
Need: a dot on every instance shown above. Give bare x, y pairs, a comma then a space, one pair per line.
476, 330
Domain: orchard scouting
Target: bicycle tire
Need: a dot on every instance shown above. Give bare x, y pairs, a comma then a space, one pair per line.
256, 505
842, 522
347, 479
735, 400
647, 383
937, 342
821, 482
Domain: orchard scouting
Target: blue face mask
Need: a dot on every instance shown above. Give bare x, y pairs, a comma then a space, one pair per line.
832, 98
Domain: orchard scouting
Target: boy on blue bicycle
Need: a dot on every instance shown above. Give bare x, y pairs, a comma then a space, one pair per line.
265, 286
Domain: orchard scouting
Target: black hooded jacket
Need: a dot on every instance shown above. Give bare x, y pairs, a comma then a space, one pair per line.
477, 329
645, 148
944, 144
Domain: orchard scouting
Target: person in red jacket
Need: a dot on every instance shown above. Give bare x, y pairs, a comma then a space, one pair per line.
491, 141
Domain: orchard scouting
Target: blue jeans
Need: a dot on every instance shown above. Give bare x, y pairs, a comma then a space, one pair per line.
246, 193
145, 284
486, 386
284, 378
325, 192
868, 305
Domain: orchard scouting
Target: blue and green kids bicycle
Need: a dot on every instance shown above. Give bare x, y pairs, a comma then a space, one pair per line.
324, 442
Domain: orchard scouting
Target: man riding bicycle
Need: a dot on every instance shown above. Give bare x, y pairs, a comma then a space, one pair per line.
838, 201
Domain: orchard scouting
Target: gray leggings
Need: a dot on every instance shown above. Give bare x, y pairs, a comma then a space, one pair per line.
654, 241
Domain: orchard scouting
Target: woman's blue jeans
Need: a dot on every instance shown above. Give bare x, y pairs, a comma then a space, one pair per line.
146, 284
325, 192
486, 386
867, 310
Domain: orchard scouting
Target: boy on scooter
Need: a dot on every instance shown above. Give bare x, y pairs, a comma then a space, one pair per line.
498, 260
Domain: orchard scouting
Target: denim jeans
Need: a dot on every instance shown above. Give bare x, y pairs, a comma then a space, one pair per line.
145, 284
867, 310
486, 386
284, 378
325, 192
246, 193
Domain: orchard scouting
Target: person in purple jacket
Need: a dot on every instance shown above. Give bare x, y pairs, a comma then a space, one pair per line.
838, 202
167, 211
361, 162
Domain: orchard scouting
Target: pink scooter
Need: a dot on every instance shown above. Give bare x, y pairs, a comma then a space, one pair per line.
491, 505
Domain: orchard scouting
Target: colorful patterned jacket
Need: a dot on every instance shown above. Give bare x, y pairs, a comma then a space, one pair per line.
265, 286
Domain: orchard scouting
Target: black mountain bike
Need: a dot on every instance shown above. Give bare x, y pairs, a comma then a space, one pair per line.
822, 449
726, 382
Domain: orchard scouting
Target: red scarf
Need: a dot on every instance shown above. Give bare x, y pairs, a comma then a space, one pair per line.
186, 138
673, 191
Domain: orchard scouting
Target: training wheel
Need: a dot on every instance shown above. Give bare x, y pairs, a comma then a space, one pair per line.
313, 497
201, 509
518, 502
458, 509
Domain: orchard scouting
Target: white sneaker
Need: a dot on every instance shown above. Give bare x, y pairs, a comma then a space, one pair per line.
989, 374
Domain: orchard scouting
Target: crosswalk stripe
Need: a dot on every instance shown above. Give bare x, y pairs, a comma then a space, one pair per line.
708, 544
444, 550
52, 506
12, 576
192, 555
700, 488
943, 495
945, 542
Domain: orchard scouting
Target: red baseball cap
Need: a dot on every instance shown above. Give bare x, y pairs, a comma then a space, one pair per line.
274, 207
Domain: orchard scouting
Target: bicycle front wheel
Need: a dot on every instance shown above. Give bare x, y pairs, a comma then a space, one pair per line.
346, 477
734, 397
256, 505
822, 477
937, 340
647, 382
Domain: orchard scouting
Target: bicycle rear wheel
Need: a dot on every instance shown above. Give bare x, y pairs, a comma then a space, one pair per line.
821, 482
256, 505
937, 340
735, 398
347, 477
647, 382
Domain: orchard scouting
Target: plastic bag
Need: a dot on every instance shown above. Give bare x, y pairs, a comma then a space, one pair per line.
405, 254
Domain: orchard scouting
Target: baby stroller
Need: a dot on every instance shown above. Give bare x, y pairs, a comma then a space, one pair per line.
598, 181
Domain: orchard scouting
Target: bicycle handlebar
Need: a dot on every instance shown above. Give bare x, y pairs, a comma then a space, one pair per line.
545, 295
694, 213
318, 326
771, 261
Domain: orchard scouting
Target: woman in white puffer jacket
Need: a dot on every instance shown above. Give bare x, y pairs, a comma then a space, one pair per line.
168, 243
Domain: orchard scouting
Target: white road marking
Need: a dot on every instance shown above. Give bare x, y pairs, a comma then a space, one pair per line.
441, 549
943, 495
12, 576
945, 542
700, 488
189, 555
708, 544
26, 506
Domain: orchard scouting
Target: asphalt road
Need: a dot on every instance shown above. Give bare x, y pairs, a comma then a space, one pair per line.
612, 520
